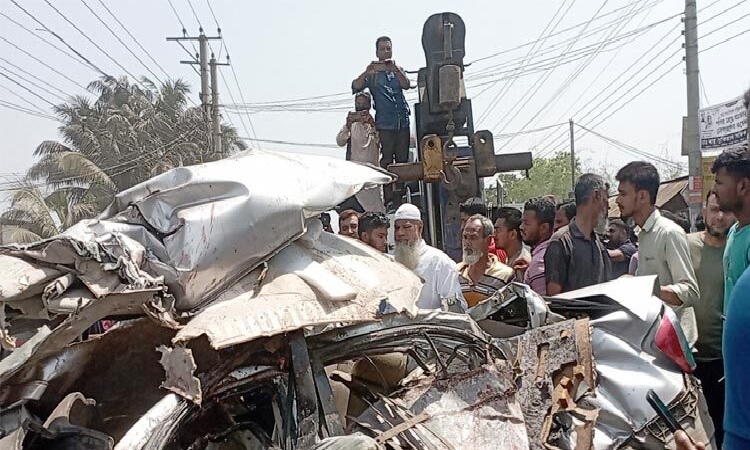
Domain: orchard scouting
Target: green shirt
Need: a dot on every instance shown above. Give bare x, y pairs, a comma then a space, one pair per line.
707, 262
736, 258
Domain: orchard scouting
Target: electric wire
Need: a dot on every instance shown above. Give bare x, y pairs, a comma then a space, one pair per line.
571, 78
117, 63
24, 110
24, 99
5, 75
137, 42
526, 98
43, 39
43, 63
612, 84
506, 86
121, 41
24, 71
26, 80
631, 149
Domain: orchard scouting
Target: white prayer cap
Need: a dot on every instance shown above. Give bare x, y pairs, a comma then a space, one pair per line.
407, 211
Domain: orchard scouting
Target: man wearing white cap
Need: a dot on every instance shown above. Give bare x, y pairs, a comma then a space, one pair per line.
438, 271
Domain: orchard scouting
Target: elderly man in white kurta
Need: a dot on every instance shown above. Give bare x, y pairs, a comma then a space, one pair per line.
362, 145
441, 289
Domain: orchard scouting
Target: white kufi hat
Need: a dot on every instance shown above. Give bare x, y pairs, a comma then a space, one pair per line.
407, 211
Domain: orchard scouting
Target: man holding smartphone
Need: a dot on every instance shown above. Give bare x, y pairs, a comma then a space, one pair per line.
362, 145
386, 82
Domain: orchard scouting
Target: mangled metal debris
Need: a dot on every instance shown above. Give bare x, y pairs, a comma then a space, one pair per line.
477, 409
232, 303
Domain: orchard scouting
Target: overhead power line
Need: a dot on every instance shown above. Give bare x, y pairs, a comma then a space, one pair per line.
632, 150
567, 83
43, 63
613, 87
282, 142
26, 72
137, 42
15, 93
26, 80
506, 86
127, 47
22, 109
64, 17
43, 39
563, 31
526, 98
14, 81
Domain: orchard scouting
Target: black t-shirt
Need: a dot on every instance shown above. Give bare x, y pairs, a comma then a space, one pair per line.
574, 262
620, 268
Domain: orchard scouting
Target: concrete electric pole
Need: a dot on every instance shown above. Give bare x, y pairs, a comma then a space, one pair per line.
692, 130
215, 122
572, 158
208, 73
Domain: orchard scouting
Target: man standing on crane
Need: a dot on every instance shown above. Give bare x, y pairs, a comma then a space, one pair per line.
362, 145
386, 82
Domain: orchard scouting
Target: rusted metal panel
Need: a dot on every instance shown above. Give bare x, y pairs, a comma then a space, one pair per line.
306, 398
432, 158
555, 366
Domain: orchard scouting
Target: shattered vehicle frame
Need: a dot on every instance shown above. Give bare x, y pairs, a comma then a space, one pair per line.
223, 342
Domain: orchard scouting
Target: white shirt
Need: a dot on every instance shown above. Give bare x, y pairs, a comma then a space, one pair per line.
440, 278
663, 251
365, 147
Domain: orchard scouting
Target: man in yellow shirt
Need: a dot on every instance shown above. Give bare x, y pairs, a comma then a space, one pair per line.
482, 273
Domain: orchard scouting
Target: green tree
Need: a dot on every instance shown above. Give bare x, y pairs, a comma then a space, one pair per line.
547, 176
125, 136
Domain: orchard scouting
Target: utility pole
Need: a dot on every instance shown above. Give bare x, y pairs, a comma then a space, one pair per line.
210, 107
693, 140
215, 123
572, 159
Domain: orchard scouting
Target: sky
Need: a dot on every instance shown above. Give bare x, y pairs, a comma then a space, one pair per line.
287, 49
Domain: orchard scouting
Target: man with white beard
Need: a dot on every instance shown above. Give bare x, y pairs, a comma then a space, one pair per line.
434, 267
576, 258
482, 273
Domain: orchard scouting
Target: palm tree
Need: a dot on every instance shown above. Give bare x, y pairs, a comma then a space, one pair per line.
34, 215
127, 135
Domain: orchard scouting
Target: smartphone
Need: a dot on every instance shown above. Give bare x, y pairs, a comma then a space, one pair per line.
662, 411
380, 66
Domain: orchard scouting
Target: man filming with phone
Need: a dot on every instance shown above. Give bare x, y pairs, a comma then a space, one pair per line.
362, 145
386, 82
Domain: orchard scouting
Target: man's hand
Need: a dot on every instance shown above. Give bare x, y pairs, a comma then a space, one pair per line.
684, 442
520, 264
668, 296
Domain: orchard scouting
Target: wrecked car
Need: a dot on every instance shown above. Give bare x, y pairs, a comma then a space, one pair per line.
237, 316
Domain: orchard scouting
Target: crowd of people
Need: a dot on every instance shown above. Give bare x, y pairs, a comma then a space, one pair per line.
560, 247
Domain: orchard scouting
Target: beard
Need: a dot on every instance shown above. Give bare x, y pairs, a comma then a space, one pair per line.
407, 253
716, 233
602, 224
472, 256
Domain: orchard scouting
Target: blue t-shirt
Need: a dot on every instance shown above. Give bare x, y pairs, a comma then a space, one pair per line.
736, 258
391, 110
737, 366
